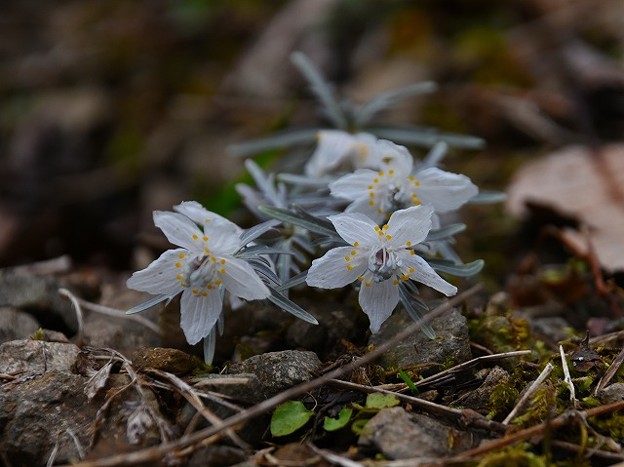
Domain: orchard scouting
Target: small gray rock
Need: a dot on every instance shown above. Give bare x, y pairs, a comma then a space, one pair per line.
241, 387
612, 393
16, 324
277, 371
401, 435
35, 357
451, 345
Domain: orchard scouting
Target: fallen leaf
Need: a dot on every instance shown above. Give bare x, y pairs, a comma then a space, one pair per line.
584, 184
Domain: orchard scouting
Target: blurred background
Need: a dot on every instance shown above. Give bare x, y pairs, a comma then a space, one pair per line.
113, 108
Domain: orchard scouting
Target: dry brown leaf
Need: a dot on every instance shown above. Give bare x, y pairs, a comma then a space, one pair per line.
582, 183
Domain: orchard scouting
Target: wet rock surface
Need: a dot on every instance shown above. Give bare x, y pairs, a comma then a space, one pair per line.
398, 434
451, 345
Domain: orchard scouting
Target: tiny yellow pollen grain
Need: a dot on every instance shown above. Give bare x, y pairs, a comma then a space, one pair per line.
385, 227
349, 267
204, 294
375, 180
347, 258
404, 277
395, 281
361, 278
178, 265
377, 229
388, 237
371, 203
367, 283
391, 172
213, 259
207, 251
222, 270
371, 194
411, 270
210, 286
356, 244
195, 291
411, 178
182, 255
204, 238
195, 237
412, 252
380, 233
370, 187
380, 173
179, 277
218, 282
222, 261
353, 252
408, 244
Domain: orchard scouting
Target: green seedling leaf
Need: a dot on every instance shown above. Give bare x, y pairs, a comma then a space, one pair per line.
289, 417
333, 424
381, 401
408, 381
359, 426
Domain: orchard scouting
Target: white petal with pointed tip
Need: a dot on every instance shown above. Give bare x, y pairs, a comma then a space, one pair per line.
331, 272
445, 191
355, 185
199, 214
199, 314
378, 301
410, 225
178, 229
160, 276
355, 227
241, 280
425, 274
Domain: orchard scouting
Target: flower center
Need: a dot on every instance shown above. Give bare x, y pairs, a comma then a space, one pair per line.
383, 263
199, 272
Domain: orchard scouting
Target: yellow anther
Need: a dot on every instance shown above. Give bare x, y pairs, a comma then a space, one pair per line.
179, 277
218, 282
182, 255
222, 261
395, 281
195, 237
210, 286
380, 173
408, 244
204, 294
353, 252
367, 283
375, 180
222, 270
178, 265
411, 270
347, 258
207, 251
411, 178
195, 291
370, 187
404, 277
360, 278
371, 194
388, 237
412, 252
204, 238
385, 227
377, 228
356, 244
213, 259
371, 203
349, 267
391, 172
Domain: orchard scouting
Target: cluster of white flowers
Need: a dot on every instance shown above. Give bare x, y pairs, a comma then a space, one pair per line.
373, 208
390, 206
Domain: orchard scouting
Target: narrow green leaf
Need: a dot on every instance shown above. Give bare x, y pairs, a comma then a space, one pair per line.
459, 270
333, 424
377, 400
289, 417
408, 381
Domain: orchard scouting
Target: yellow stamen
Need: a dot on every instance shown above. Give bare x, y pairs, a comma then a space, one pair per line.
195, 237
349, 267
356, 244
347, 258
182, 255
388, 237
408, 244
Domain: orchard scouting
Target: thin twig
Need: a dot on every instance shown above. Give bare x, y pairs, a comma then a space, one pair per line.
461, 416
157, 452
610, 373
528, 393
334, 458
539, 429
108, 311
567, 379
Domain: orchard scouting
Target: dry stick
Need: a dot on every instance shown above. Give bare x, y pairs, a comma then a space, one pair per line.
608, 455
567, 379
529, 392
527, 433
108, 311
462, 416
610, 373
157, 452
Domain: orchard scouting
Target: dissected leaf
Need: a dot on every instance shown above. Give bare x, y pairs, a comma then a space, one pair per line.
333, 424
289, 417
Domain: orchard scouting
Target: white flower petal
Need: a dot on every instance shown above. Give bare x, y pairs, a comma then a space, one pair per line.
336, 146
378, 300
419, 270
445, 191
178, 229
160, 276
331, 271
199, 214
199, 313
354, 228
377, 212
410, 226
357, 184
394, 156
241, 280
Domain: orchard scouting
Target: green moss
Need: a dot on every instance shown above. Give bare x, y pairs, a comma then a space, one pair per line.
542, 403
517, 456
502, 399
501, 333
612, 425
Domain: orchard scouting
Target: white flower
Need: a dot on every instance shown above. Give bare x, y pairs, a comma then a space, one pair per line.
201, 269
377, 193
336, 147
379, 258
